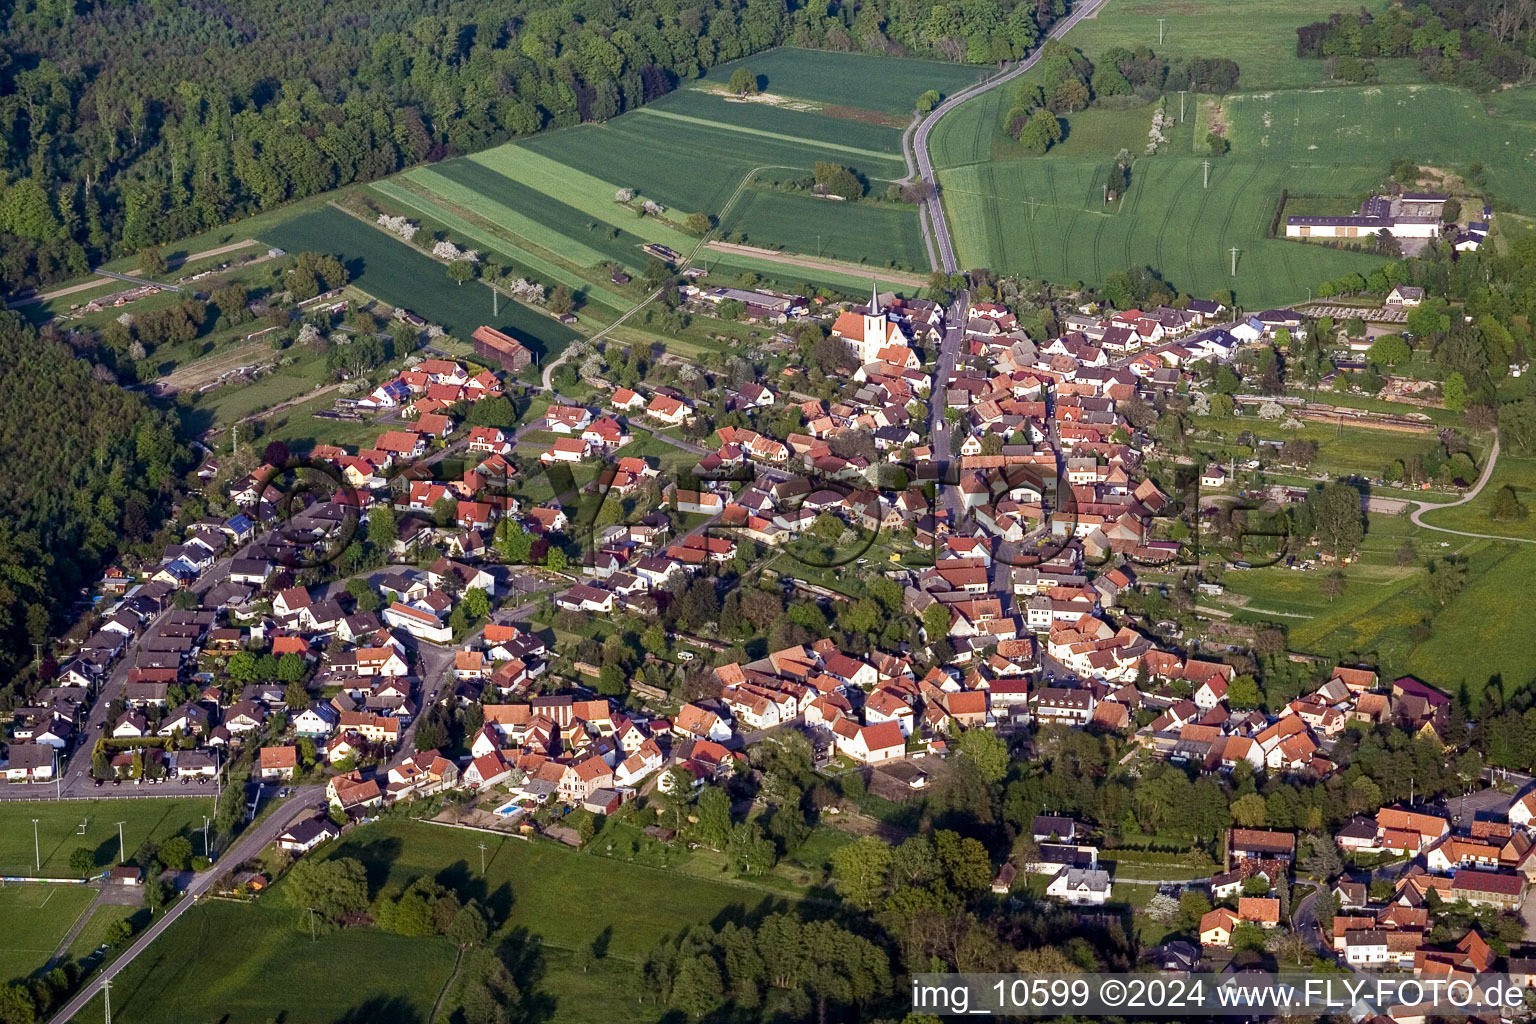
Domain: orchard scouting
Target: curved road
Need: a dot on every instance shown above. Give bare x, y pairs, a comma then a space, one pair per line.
935, 206
1430, 506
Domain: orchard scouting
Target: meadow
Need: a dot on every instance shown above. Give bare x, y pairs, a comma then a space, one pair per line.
1288, 128
1385, 616
59, 823
225, 958
1475, 516
399, 275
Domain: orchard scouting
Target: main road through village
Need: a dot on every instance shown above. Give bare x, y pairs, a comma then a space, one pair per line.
933, 208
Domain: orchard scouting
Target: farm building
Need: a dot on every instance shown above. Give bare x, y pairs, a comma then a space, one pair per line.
505, 351
1410, 215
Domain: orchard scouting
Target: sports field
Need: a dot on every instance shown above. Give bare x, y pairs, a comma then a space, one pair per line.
58, 830
400, 275
33, 921
253, 963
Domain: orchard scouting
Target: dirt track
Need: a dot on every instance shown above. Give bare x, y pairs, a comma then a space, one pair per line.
812, 263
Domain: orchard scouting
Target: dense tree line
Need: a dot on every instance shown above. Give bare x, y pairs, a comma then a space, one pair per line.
127, 124
84, 468
1460, 42
805, 969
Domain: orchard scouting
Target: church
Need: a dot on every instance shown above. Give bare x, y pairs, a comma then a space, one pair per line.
871, 332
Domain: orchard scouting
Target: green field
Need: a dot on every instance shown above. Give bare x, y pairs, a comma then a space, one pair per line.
864, 81
59, 823
252, 963
1476, 515
400, 275
552, 196
1046, 216
821, 227
33, 921
1259, 34
1377, 620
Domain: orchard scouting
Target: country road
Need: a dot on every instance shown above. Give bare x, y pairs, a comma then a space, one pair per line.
934, 207
1430, 506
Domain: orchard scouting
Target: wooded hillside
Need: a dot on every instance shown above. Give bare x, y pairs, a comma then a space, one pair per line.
131, 123
84, 468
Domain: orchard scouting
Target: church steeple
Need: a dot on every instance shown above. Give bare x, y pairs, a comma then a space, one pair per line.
874, 298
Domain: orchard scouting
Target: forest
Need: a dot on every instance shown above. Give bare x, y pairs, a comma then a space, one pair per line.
128, 124
84, 467
1458, 42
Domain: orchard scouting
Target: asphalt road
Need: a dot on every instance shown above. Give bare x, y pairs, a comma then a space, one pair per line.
935, 205
303, 801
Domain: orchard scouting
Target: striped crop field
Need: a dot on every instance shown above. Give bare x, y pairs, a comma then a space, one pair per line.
547, 203
493, 240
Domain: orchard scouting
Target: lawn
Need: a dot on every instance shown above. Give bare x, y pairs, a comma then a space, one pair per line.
399, 275
33, 921
1046, 217
59, 823
1476, 515
94, 934
222, 960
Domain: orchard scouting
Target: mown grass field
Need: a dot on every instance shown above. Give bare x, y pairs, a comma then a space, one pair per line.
399, 275
58, 825
255, 963
33, 921
1288, 128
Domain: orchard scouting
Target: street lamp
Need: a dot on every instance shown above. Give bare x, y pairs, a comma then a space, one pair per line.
37, 850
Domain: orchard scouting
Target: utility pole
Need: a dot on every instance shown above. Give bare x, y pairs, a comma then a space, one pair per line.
1234, 260
205, 838
482, 858
311, 924
1160, 30
1181, 105
37, 851
122, 851
1207, 174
